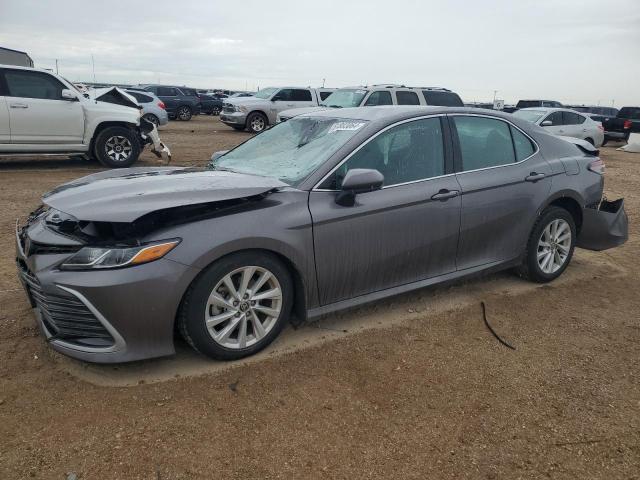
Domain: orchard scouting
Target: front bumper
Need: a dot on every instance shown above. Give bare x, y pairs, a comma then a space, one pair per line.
234, 119
107, 316
149, 134
604, 227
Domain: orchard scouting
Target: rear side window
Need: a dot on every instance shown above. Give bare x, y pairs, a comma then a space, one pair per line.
629, 112
299, 95
167, 92
27, 84
324, 95
523, 146
407, 98
569, 118
528, 104
189, 91
442, 99
379, 98
484, 142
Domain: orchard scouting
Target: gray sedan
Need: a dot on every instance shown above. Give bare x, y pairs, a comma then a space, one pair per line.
324, 212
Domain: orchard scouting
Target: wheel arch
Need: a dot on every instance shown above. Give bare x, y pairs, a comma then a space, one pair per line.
262, 112
104, 125
300, 289
569, 200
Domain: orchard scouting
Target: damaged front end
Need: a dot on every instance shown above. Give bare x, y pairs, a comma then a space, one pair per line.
147, 131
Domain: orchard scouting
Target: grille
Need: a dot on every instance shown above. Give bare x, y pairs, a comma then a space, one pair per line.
66, 318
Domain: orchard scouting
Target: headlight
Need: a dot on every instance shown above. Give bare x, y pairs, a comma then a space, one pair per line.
92, 258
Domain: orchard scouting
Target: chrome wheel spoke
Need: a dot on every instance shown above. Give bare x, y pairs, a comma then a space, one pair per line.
242, 332
258, 328
226, 332
267, 311
247, 275
216, 320
267, 295
228, 282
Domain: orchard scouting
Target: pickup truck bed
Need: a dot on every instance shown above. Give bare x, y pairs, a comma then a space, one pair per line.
621, 126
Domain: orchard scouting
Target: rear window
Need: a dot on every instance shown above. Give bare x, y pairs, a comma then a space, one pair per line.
407, 98
528, 103
442, 99
629, 112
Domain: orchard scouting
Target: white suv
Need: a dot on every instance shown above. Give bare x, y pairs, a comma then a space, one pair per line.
376, 95
42, 113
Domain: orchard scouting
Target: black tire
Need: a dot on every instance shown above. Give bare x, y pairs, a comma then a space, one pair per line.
184, 113
257, 122
531, 268
239, 129
590, 140
123, 140
152, 118
191, 315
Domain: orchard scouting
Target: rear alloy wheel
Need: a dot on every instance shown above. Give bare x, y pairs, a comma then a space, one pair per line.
184, 113
150, 117
117, 147
243, 312
550, 246
257, 122
215, 111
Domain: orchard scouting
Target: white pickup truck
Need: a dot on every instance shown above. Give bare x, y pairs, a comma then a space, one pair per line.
42, 113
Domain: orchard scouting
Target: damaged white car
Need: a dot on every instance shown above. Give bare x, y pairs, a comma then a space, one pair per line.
42, 113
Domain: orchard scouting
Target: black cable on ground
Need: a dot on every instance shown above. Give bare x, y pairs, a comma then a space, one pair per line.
486, 322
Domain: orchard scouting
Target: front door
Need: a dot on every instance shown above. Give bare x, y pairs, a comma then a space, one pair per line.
37, 112
504, 180
393, 236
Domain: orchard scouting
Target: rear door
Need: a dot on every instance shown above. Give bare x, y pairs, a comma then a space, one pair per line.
38, 113
504, 179
573, 125
393, 236
407, 97
378, 97
557, 123
169, 96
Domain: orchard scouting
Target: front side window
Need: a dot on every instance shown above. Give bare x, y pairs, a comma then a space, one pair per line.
27, 84
570, 118
530, 115
408, 152
283, 95
555, 118
265, 93
300, 95
291, 150
484, 142
167, 92
379, 98
407, 98
324, 95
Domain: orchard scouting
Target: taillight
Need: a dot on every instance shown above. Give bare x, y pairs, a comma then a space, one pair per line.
597, 166
627, 124
162, 105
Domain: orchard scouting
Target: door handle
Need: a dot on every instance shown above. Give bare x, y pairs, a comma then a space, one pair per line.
19, 105
444, 195
534, 177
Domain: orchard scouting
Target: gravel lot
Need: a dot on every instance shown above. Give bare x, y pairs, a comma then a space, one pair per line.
415, 388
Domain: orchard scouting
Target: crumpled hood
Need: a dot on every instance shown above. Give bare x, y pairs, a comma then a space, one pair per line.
127, 194
114, 95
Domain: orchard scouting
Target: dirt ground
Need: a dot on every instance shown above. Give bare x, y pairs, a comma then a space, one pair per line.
415, 388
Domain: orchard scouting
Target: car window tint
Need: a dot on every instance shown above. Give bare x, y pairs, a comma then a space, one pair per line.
284, 94
140, 97
27, 84
379, 98
484, 142
442, 99
570, 118
167, 92
523, 146
555, 118
324, 95
405, 153
300, 95
407, 98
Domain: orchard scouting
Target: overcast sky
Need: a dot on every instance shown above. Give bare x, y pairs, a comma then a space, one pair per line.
574, 51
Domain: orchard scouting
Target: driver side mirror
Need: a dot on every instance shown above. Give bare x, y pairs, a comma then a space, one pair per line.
546, 123
67, 94
358, 180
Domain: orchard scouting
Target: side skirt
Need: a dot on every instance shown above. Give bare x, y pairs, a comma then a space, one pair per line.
485, 269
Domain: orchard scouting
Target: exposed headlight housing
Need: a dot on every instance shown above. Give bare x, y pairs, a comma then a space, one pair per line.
96, 258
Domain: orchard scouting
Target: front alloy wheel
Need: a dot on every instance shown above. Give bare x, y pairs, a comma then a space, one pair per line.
257, 122
184, 114
243, 307
237, 306
118, 148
